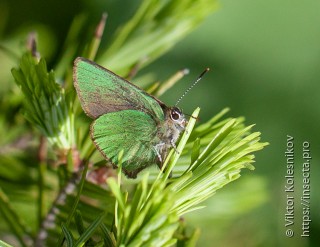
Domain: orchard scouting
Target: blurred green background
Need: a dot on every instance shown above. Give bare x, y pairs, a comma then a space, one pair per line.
265, 65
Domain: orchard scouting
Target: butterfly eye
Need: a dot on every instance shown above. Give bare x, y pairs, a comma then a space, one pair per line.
175, 114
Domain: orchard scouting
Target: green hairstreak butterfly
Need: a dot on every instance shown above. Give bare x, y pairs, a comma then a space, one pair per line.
126, 118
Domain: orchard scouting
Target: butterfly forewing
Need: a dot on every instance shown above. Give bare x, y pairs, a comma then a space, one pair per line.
101, 91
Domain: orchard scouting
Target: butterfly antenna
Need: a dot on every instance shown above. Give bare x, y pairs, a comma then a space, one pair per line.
185, 93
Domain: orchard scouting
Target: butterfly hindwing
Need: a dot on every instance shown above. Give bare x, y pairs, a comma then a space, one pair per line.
101, 91
132, 131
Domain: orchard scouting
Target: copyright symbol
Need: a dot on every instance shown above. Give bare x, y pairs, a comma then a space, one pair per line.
289, 233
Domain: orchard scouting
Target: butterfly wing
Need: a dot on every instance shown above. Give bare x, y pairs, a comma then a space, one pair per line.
101, 91
132, 131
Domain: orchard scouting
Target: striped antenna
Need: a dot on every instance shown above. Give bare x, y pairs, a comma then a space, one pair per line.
199, 78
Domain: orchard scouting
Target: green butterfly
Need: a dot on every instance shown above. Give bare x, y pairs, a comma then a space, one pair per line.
126, 118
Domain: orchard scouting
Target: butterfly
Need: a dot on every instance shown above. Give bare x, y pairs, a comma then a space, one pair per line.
126, 118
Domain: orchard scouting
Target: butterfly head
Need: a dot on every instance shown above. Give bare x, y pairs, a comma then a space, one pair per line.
177, 118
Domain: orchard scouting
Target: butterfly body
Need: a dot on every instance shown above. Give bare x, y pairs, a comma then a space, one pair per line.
126, 118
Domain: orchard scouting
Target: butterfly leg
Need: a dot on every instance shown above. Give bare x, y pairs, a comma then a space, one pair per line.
174, 146
157, 148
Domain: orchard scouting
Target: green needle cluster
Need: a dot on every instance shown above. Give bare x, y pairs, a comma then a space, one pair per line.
46, 106
151, 216
155, 28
